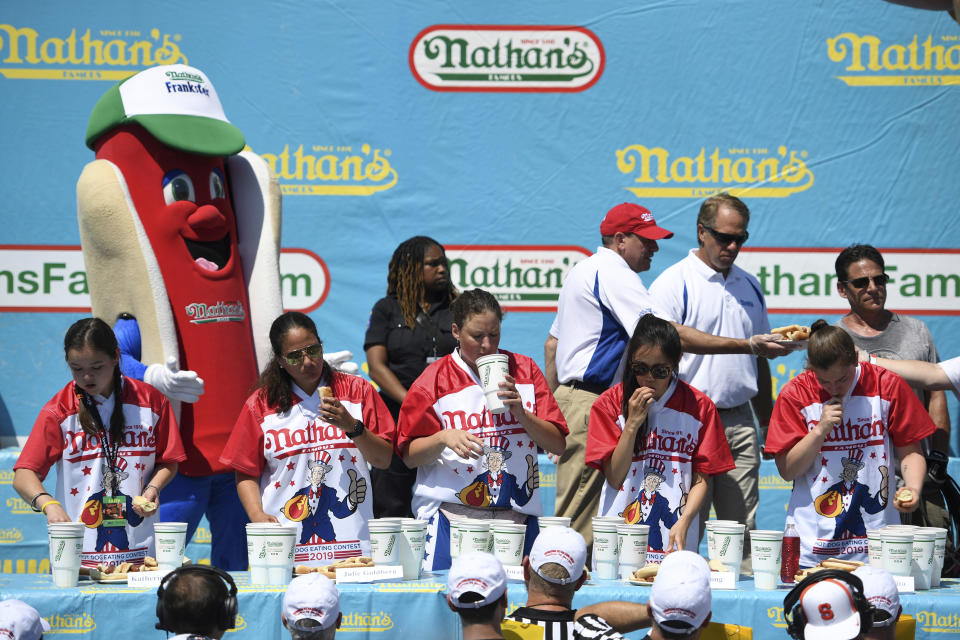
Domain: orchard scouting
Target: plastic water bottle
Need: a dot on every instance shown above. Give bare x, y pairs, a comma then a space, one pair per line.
790, 562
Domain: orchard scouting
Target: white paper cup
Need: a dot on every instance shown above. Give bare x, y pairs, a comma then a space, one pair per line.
728, 540
875, 548
170, 539
257, 535
492, 370
507, 540
412, 540
553, 521
66, 550
897, 551
631, 547
766, 546
384, 541
280, 546
711, 545
605, 543
474, 535
922, 566
939, 549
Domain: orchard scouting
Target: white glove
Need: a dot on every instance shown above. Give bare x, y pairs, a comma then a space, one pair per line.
185, 386
339, 360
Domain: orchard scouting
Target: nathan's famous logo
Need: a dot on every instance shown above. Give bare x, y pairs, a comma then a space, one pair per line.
202, 536
506, 58
933, 622
217, 312
332, 170
744, 172
59, 553
775, 614
106, 54
522, 277
10, 536
368, 622
66, 623
722, 552
871, 63
6, 476
239, 624
17, 505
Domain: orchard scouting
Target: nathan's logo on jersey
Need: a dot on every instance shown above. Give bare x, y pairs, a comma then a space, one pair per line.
463, 420
332, 170
16, 505
680, 443
114, 54
10, 536
747, 172
870, 62
368, 622
52, 278
289, 441
66, 623
852, 433
506, 58
202, 313
136, 437
933, 622
522, 277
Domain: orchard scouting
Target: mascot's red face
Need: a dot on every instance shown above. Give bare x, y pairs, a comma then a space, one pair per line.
182, 201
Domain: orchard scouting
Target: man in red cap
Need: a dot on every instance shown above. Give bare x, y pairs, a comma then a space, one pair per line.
600, 303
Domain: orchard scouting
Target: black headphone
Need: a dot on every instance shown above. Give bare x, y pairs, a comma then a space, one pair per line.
793, 610
226, 614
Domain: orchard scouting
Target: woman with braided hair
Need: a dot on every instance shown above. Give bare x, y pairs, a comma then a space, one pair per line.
409, 329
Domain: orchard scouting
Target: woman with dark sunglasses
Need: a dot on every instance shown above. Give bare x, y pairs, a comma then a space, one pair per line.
302, 442
656, 438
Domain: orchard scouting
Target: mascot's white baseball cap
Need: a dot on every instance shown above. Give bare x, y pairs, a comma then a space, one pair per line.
177, 104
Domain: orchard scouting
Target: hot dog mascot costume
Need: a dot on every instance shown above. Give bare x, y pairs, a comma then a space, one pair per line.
180, 231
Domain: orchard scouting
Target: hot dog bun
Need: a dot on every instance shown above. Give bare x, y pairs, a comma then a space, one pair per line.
903, 495
792, 332
326, 392
647, 572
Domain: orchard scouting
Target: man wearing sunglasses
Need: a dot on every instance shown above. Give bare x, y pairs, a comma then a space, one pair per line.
707, 291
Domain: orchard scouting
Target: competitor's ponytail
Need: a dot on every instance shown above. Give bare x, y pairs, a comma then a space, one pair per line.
96, 334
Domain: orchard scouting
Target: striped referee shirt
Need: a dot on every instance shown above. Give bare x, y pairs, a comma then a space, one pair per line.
560, 625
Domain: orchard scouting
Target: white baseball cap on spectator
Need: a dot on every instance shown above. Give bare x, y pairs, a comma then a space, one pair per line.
680, 598
563, 546
20, 621
833, 596
312, 596
476, 572
880, 589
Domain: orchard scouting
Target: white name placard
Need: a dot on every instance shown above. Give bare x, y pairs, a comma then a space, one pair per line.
904, 584
145, 579
722, 580
369, 574
514, 572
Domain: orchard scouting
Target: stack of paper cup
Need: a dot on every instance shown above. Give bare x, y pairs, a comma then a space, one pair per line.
412, 540
553, 521
897, 550
728, 542
507, 539
474, 535
939, 550
171, 540
875, 548
765, 555
605, 543
492, 370
258, 533
922, 566
385, 537
280, 547
711, 546
631, 547
66, 550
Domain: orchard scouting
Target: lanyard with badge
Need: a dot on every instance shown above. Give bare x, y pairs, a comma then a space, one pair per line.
114, 506
425, 321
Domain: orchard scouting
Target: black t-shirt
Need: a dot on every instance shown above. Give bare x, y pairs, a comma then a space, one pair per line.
407, 351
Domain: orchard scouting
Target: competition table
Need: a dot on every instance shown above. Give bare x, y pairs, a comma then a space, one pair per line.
387, 610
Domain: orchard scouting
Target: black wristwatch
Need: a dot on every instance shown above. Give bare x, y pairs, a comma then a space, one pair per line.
358, 428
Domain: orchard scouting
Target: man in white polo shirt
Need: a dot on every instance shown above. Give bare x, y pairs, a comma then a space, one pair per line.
706, 290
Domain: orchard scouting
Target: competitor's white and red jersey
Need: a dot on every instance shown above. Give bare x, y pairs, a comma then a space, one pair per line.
832, 512
150, 438
283, 449
684, 436
448, 395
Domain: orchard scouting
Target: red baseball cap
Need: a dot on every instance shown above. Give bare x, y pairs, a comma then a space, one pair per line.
632, 218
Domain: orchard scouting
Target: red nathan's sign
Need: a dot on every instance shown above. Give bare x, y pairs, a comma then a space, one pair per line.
450, 57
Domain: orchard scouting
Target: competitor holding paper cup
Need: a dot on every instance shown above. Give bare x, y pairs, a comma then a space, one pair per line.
834, 432
474, 463
113, 437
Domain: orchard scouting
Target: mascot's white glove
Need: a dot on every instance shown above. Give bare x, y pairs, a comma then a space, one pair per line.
340, 360
185, 386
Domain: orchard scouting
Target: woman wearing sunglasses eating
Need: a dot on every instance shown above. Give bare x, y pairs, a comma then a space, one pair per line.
656, 438
301, 446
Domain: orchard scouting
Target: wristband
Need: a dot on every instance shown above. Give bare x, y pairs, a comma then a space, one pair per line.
46, 504
33, 502
154, 487
358, 428
873, 359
